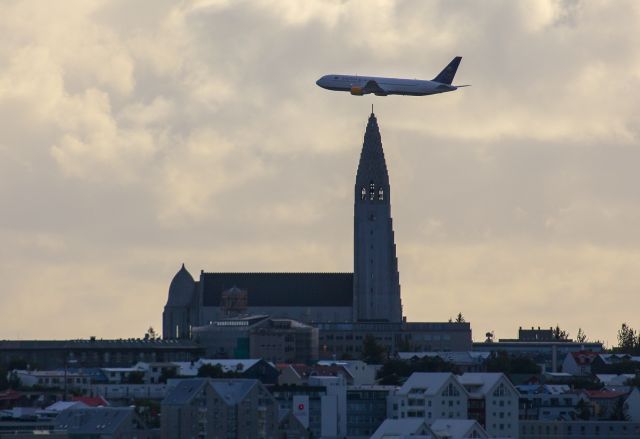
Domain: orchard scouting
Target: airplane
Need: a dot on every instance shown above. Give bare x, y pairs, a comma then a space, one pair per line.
362, 85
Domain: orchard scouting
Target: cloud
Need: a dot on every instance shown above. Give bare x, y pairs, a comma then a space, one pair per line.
136, 136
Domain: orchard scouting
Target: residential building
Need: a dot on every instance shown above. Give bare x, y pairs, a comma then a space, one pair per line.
549, 354
547, 402
493, 402
429, 396
304, 402
366, 409
92, 353
299, 374
219, 408
252, 368
361, 372
52, 379
102, 423
579, 363
333, 405
632, 405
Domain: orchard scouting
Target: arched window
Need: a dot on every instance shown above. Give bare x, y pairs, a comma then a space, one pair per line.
380, 194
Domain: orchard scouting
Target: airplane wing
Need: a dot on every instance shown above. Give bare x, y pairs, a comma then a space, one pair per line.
372, 87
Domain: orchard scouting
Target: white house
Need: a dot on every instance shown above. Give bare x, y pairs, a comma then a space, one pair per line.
579, 363
493, 398
632, 405
429, 396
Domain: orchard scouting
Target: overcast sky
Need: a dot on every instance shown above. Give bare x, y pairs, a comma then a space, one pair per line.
135, 136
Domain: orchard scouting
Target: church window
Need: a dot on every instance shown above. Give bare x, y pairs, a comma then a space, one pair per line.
363, 193
380, 194
372, 191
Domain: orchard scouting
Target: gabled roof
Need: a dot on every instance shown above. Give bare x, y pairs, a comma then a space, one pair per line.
60, 406
184, 391
584, 358
430, 383
401, 427
94, 421
481, 383
10, 395
616, 358
457, 428
92, 401
233, 391
603, 394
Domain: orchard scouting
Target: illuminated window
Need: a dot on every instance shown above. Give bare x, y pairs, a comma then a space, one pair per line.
380, 194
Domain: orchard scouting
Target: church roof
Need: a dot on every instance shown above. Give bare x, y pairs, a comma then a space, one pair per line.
281, 289
181, 288
372, 165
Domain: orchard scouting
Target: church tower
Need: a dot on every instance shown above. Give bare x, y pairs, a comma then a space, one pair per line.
376, 282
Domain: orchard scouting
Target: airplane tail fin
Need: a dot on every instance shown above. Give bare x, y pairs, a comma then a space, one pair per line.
447, 74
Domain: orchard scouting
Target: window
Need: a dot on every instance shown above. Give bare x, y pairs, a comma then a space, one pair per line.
363, 193
380, 194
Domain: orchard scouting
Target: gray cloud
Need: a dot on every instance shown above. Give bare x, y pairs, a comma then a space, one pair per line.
134, 137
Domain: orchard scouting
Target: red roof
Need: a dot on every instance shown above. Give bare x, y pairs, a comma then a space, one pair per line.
10, 395
92, 401
604, 394
584, 358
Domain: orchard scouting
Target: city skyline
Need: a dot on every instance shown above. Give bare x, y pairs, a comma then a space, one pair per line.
137, 137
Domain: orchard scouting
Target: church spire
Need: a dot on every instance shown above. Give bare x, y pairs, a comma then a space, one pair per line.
376, 278
372, 167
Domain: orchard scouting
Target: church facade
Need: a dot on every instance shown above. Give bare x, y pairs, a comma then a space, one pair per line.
370, 294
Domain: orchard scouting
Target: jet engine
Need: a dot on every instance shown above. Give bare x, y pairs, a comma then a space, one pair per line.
357, 91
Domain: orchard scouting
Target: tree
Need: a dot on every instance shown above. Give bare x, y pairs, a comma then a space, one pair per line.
560, 334
151, 334
617, 411
394, 371
581, 337
509, 364
628, 342
215, 371
372, 351
460, 318
584, 410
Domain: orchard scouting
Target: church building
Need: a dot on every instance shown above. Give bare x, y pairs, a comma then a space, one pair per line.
370, 294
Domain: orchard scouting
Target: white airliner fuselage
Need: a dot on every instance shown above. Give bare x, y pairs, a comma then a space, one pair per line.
389, 86
361, 85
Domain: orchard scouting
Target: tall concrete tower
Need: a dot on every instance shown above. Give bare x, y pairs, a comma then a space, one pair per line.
376, 279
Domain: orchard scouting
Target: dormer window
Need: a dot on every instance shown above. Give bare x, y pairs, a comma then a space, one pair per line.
380, 194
